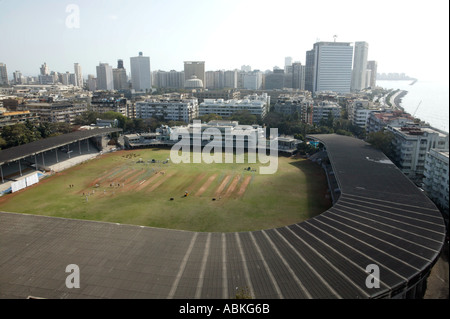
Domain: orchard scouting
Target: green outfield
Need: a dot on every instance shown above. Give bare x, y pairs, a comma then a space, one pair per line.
141, 187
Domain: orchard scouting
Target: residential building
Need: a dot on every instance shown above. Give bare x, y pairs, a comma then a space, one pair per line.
411, 144
17, 75
91, 83
170, 107
15, 117
256, 104
217, 94
44, 69
372, 66
120, 77
3, 74
78, 75
172, 79
298, 76
359, 66
275, 80
329, 67
252, 80
360, 110
141, 79
231, 79
105, 80
436, 174
324, 110
102, 102
195, 68
58, 112
288, 104
378, 120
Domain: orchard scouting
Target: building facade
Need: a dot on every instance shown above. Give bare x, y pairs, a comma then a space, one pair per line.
141, 79
195, 68
359, 66
436, 175
255, 104
3, 74
170, 107
78, 75
411, 144
105, 80
329, 67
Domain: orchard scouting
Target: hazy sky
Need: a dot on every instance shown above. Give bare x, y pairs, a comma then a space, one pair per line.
404, 36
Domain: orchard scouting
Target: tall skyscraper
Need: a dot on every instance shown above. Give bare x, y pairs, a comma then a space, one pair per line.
329, 67
44, 69
359, 66
141, 78
231, 79
287, 63
105, 77
298, 76
120, 77
372, 66
3, 74
196, 68
78, 75
17, 77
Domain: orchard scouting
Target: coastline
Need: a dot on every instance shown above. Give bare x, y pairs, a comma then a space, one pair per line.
398, 100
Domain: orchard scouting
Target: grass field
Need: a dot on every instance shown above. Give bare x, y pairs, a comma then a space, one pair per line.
221, 197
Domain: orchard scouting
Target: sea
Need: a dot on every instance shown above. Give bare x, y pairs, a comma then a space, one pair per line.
426, 100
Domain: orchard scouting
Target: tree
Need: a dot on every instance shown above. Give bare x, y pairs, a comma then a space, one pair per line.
383, 141
209, 117
244, 117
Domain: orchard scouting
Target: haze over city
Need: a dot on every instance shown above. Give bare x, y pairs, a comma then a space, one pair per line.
224, 34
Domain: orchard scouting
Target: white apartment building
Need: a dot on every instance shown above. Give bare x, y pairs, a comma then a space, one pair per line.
78, 75
170, 107
105, 80
412, 143
359, 73
324, 109
359, 112
141, 78
252, 80
436, 175
256, 105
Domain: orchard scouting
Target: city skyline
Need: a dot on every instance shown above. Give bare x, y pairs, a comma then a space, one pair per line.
224, 34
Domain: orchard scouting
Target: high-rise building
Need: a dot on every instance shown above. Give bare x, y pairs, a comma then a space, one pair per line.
78, 75
329, 67
372, 66
287, 62
231, 79
91, 82
120, 78
44, 69
309, 70
141, 78
17, 77
359, 66
298, 76
3, 74
105, 77
196, 68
